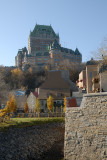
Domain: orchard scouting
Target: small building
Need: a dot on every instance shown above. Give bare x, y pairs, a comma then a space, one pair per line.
31, 100
81, 83
20, 98
58, 85
96, 75
103, 77
91, 73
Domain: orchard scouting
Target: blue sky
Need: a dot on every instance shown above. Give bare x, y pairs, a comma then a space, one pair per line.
80, 23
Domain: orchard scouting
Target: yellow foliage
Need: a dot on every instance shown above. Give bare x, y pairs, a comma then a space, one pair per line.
3, 113
50, 103
7, 118
11, 104
65, 104
16, 71
10, 107
46, 67
30, 70
18, 115
29, 115
38, 106
11, 115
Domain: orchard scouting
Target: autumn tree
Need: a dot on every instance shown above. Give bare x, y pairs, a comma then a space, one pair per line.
26, 107
16, 77
11, 104
37, 106
50, 103
10, 107
3, 113
65, 104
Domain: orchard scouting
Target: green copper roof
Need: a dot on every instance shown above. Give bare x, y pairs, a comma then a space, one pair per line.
43, 29
38, 54
77, 51
55, 45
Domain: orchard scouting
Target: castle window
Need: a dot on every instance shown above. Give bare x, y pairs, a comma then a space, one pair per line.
43, 29
90, 74
59, 94
90, 87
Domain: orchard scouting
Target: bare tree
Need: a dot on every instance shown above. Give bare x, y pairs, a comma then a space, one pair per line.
101, 52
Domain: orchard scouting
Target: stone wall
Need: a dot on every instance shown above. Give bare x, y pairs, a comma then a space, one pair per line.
86, 129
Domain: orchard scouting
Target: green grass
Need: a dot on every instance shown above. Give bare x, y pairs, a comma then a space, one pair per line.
24, 122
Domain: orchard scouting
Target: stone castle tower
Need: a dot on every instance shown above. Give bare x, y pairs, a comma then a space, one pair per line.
44, 49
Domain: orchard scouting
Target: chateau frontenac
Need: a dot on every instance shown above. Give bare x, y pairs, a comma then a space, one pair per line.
44, 49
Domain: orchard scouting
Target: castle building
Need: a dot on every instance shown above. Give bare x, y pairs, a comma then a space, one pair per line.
60, 54
40, 38
20, 57
44, 50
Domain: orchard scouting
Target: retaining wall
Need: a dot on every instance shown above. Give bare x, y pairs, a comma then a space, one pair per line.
86, 129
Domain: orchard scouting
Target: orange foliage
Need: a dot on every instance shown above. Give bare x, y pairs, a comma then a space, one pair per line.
26, 107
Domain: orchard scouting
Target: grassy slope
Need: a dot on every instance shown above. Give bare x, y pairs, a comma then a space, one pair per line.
24, 122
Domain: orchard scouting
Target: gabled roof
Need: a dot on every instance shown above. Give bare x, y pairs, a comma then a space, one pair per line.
19, 93
35, 94
55, 81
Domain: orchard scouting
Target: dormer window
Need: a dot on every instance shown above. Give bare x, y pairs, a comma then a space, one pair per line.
43, 29
59, 94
